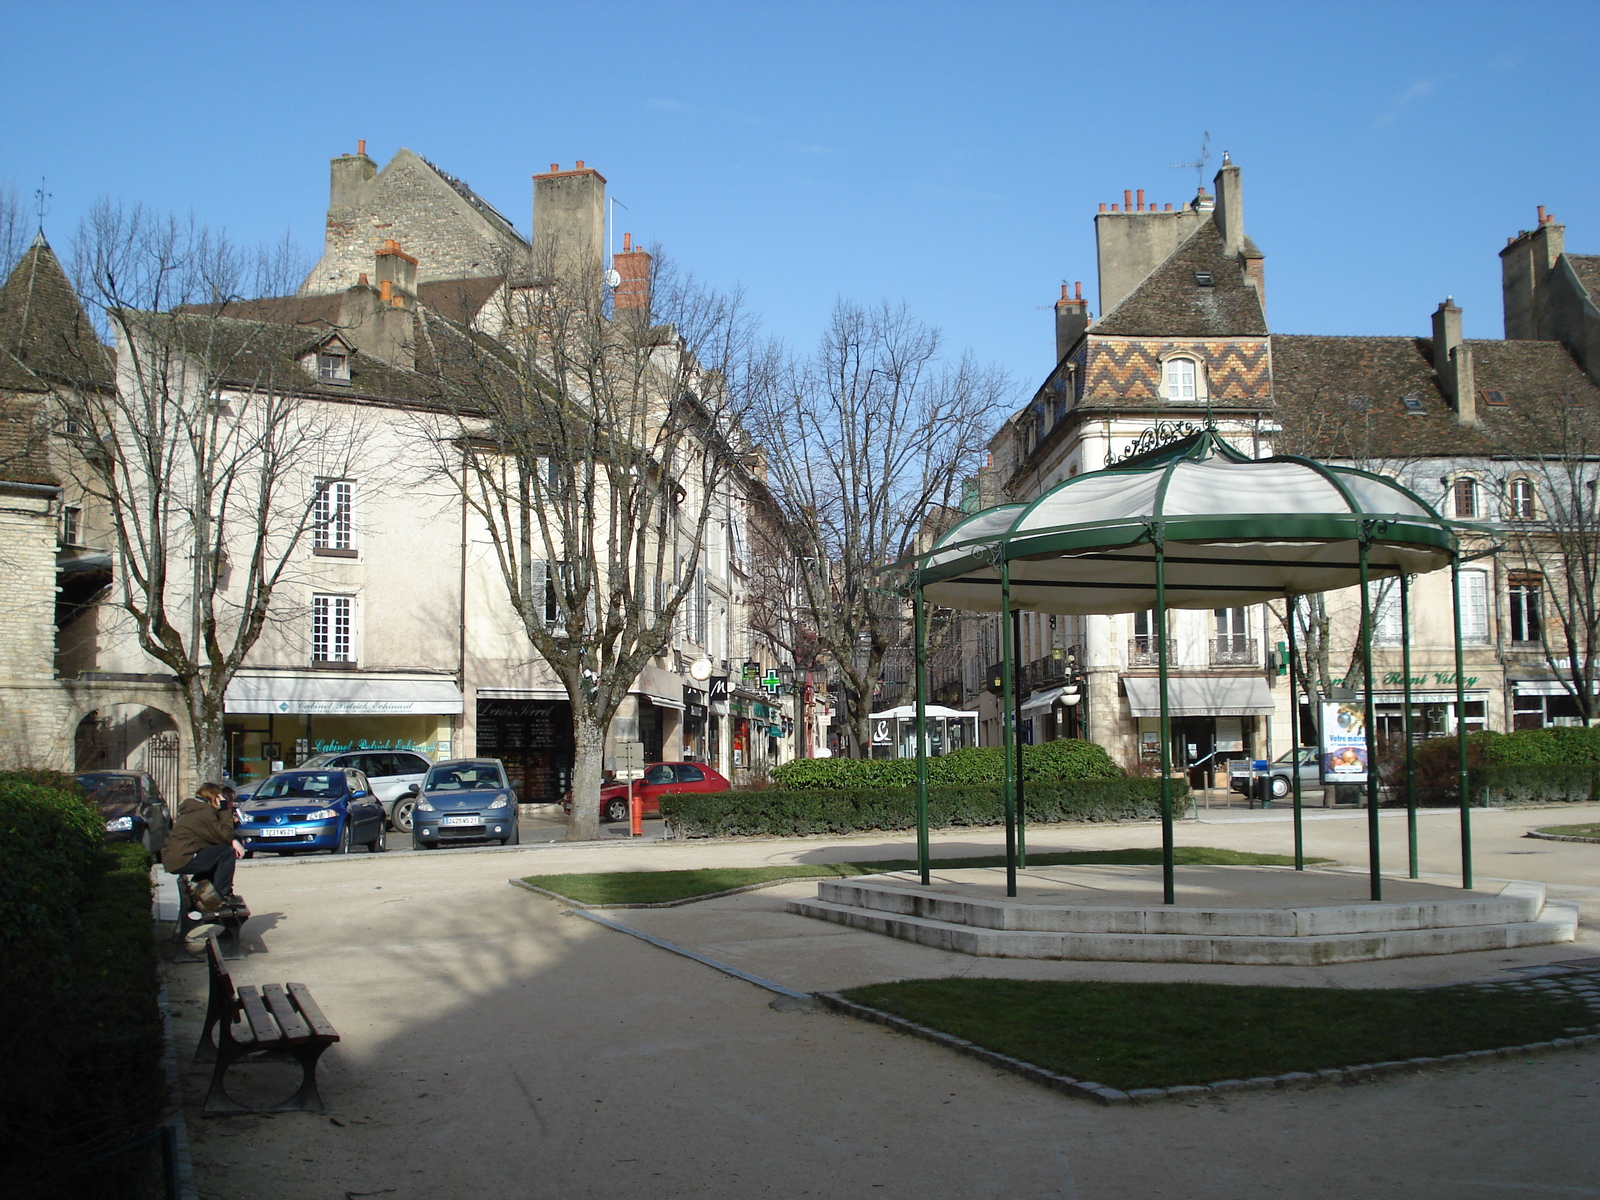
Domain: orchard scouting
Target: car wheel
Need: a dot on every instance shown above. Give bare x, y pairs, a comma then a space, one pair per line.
1280, 787
616, 810
402, 813
376, 846
344, 839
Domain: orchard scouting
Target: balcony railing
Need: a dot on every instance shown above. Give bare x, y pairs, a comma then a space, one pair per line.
1233, 650
1143, 650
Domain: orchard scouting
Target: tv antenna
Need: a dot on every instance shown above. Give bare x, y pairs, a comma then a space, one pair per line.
1199, 165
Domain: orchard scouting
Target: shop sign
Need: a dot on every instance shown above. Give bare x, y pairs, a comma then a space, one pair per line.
352, 708
332, 746
1344, 743
752, 671
882, 733
719, 689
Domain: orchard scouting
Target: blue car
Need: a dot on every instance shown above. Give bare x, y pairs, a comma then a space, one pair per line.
467, 798
326, 809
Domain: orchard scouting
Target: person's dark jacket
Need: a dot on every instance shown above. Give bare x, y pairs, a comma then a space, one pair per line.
198, 826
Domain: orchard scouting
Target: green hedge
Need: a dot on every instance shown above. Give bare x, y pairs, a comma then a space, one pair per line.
1051, 762
1529, 766
80, 1029
789, 811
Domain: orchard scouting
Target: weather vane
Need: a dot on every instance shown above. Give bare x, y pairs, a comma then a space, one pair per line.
41, 202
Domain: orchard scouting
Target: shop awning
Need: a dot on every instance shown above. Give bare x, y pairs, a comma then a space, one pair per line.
1205, 696
1041, 701
909, 712
340, 695
1543, 687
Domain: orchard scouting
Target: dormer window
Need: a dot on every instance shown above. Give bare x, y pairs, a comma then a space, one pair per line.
333, 366
1181, 380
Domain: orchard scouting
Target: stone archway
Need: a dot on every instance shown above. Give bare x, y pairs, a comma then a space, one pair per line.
130, 737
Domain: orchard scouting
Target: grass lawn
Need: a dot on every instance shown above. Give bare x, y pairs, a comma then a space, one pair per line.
656, 887
1573, 830
1131, 1035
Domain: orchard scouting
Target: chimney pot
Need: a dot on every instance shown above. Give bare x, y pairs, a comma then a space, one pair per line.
1077, 290
1102, 206
386, 291
1114, 208
1169, 208
1063, 291
362, 280
627, 243
579, 167
554, 167
1541, 214
1127, 199
361, 145
1141, 199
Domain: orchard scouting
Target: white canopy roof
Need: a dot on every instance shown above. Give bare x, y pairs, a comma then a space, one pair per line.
909, 712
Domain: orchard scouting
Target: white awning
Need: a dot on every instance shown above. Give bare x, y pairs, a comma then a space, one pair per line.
340, 695
1543, 687
908, 712
664, 689
1041, 701
1206, 696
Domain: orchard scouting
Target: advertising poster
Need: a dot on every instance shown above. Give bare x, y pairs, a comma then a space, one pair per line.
1344, 743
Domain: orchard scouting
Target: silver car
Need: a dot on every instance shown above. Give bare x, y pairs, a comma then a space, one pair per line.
395, 775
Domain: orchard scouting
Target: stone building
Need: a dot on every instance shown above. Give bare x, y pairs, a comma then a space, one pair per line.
1184, 342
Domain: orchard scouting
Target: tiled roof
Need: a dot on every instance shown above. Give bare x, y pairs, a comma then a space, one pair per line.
24, 442
45, 336
1345, 397
459, 300
1170, 303
1587, 268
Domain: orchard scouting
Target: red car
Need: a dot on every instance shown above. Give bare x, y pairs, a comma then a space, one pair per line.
658, 778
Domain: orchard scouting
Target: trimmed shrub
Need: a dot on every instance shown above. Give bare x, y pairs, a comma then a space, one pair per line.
49, 838
1052, 762
789, 811
1530, 766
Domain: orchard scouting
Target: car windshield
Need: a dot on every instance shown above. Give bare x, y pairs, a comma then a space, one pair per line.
1307, 754
470, 778
303, 785
110, 789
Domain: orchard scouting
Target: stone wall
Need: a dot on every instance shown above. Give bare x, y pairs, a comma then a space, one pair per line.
36, 716
415, 205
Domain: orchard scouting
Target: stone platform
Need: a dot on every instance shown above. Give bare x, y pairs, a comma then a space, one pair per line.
1263, 915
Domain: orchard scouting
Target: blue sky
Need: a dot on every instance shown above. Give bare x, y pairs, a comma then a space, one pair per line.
951, 155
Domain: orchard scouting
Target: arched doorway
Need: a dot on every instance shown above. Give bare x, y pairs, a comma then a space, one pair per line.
130, 737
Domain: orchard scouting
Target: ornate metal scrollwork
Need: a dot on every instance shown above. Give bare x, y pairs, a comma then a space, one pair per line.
1160, 434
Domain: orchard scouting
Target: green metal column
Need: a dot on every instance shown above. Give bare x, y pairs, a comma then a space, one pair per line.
1294, 736
1022, 803
1373, 871
1007, 703
1168, 886
1405, 724
1461, 727
921, 633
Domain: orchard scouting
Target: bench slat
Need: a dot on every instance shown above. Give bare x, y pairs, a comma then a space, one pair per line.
294, 1029
313, 1015
255, 1011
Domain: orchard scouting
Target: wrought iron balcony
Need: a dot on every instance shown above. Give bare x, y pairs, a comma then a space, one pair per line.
1143, 650
1234, 650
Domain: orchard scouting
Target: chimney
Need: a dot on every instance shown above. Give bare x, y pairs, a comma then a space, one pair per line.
1525, 268
1452, 362
1072, 318
349, 176
1230, 207
632, 293
569, 226
378, 320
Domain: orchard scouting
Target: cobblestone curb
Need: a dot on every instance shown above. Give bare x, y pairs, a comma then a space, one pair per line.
1559, 837
1102, 1094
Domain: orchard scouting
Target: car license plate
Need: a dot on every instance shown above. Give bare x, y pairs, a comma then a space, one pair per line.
462, 821
274, 833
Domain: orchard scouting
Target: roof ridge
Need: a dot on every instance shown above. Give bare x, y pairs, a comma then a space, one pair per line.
464, 190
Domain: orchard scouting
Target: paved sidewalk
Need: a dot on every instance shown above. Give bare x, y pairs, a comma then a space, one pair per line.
493, 1046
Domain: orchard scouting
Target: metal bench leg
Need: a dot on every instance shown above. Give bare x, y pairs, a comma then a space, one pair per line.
306, 1097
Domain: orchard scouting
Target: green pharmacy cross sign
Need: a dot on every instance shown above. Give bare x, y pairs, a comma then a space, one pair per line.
770, 683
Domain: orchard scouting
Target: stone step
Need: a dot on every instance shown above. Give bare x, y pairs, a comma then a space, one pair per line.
1557, 922
1518, 903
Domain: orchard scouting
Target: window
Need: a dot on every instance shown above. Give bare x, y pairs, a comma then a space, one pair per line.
1464, 497
331, 525
1142, 649
333, 366
1523, 596
1474, 606
1232, 643
1180, 375
330, 629
1520, 502
71, 526
1493, 397
1384, 597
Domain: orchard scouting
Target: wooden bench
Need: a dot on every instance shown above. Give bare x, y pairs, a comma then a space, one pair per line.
280, 1021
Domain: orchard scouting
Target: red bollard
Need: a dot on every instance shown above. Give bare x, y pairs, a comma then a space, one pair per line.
635, 811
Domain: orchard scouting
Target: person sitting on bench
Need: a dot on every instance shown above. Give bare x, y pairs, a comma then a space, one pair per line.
203, 847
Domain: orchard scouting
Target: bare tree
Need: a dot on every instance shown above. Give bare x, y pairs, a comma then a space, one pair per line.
593, 451
1551, 526
868, 436
189, 445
